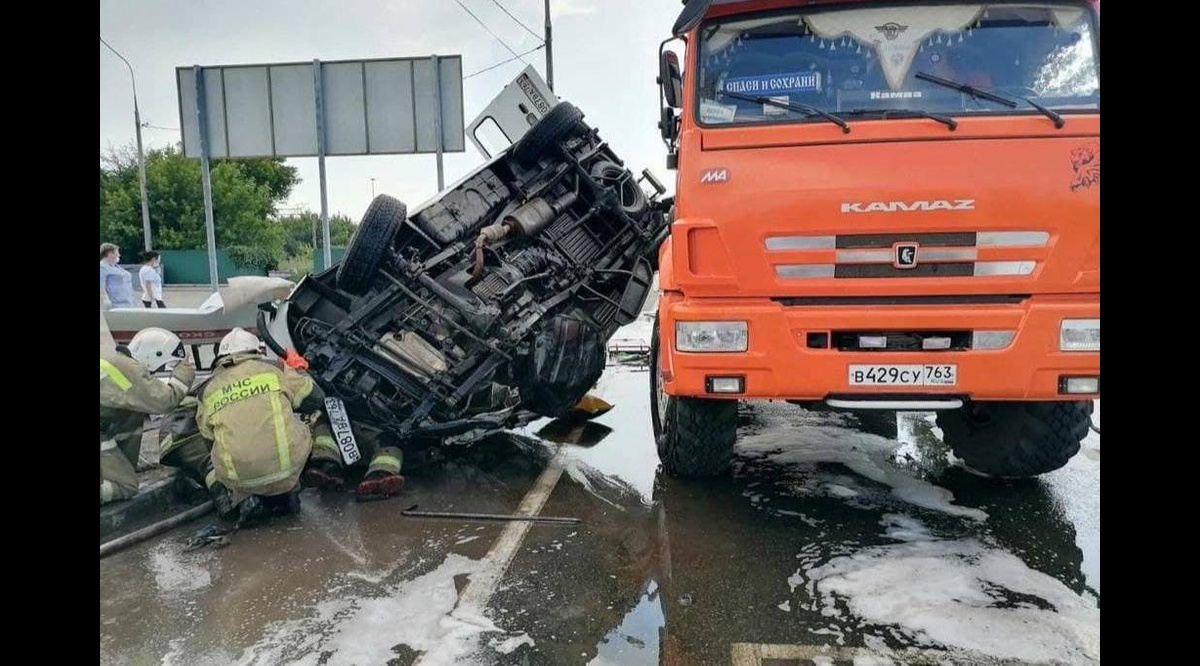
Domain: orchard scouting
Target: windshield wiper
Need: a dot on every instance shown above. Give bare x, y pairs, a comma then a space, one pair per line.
1052, 115
992, 97
793, 106
904, 113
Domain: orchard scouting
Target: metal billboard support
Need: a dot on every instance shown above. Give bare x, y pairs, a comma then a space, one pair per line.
206, 177
326, 250
437, 117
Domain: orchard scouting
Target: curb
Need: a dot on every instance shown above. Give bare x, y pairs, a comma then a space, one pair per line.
158, 498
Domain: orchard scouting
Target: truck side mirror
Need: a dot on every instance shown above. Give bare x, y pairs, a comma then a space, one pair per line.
671, 79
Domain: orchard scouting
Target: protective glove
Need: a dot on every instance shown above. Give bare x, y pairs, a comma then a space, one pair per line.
184, 372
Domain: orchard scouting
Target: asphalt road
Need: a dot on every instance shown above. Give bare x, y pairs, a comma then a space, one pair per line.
825, 543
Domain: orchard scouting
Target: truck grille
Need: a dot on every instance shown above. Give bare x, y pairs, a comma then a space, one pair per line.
909, 255
848, 341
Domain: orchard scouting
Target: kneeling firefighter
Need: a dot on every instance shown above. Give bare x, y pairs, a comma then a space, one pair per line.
128, 393
250, 409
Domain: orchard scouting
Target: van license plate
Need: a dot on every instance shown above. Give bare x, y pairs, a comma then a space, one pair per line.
941, 374
339, 423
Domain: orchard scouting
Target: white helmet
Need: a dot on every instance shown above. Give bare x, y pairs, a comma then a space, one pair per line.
156, 348
240, 341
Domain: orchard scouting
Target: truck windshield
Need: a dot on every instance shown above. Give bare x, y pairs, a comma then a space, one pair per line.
844, 60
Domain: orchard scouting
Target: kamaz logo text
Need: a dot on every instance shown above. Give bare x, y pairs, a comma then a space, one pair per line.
898, 206
715, 176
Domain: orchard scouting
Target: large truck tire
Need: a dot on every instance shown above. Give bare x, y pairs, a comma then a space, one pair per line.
371, 240
549, 130
695, 436
1016, 439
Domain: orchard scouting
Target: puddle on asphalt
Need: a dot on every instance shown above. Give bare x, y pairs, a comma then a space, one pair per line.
635, 641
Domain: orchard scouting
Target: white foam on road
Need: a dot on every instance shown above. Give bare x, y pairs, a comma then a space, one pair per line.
786, 442
1076, 487
905, 528
507, 645
363, 630
950, 592
838, 490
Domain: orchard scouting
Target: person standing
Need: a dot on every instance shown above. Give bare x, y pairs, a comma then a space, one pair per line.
116, 282
152, 287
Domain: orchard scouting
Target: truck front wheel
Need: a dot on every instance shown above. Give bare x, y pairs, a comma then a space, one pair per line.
695, 436
1016, 439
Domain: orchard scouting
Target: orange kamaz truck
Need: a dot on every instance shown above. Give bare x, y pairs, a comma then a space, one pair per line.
882, 206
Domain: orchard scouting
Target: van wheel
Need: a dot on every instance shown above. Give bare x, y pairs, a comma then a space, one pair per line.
552, 128
1016, 439
695, 436
372, 239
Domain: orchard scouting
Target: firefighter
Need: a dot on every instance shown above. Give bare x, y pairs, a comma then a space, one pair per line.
181, 445
250, 409
128, 392
382, 480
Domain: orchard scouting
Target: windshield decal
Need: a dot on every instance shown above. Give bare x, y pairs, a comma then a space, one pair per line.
894, 42
773, 84
715, 112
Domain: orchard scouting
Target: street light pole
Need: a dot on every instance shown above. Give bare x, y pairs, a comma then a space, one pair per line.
137, 121
549, 50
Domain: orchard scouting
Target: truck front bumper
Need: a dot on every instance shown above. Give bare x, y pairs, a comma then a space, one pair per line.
781, 363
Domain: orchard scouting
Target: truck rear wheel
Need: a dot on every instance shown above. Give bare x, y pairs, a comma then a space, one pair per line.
1016, 439
695, 436
370, 241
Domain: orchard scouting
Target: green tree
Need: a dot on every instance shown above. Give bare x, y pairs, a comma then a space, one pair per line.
303, 232
246, 195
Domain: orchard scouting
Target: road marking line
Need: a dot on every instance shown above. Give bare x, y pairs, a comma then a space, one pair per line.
483, 583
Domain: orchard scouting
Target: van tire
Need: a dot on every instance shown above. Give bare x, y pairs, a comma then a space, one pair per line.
1016, 439
695, 436
552, 128
371, 240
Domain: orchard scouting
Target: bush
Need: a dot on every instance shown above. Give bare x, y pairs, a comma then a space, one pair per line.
245, 256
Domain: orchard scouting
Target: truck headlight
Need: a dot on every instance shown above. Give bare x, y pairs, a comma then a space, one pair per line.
1079, 335
711, 336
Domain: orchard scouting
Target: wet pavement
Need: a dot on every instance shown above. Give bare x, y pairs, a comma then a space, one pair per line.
826, 544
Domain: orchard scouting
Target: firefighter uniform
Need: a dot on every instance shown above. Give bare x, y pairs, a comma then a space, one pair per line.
248, 409
181, 444
128, 392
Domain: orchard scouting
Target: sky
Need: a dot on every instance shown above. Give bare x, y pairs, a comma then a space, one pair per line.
605, 62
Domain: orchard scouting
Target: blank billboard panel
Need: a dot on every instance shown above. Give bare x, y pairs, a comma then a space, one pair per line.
369, 107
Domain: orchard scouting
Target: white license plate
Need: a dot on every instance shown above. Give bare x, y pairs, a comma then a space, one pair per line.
339, 422
939, 374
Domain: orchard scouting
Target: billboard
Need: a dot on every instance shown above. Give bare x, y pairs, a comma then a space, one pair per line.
367, 107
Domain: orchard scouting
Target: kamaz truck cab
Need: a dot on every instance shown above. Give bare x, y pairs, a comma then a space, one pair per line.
883, 206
